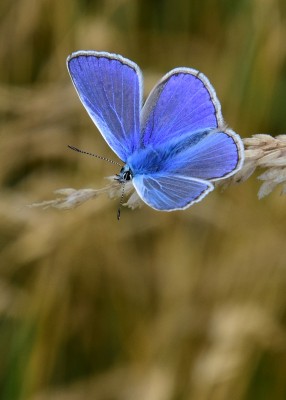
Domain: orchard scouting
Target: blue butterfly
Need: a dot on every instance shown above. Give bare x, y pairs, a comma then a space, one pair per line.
176, 145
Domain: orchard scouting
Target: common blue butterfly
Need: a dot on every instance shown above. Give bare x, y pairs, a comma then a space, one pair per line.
176, 145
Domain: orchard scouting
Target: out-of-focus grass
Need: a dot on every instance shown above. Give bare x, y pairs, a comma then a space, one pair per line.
184, 305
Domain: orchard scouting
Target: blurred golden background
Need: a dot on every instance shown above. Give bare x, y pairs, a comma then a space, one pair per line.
161, 306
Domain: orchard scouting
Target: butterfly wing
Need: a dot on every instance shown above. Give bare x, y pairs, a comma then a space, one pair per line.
169, 192
184, 101
110, 88
209, 155
182, 117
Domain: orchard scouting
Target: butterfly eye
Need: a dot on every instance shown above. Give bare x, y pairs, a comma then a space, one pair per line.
127, 175
124, 175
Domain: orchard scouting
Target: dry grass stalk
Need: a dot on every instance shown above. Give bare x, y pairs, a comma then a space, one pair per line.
261, 151
72, 198
267, 152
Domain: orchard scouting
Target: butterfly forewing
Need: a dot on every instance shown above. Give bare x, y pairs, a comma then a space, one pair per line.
183, 102
110, 88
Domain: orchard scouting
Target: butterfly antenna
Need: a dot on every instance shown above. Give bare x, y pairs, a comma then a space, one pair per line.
121, 201
94, 155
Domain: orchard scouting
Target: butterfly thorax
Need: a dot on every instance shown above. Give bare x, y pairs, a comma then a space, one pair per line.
164, 157
142, 161
148, 160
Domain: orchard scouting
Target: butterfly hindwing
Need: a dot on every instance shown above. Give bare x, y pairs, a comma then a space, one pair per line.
169, 192
110, 88
210, 155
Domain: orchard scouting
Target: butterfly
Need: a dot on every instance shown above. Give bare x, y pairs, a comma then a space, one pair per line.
176, 145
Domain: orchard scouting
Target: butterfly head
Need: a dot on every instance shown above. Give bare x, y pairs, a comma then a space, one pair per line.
125, 174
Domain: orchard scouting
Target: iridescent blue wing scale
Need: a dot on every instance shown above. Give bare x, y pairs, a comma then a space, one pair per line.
169, 192
110, 88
